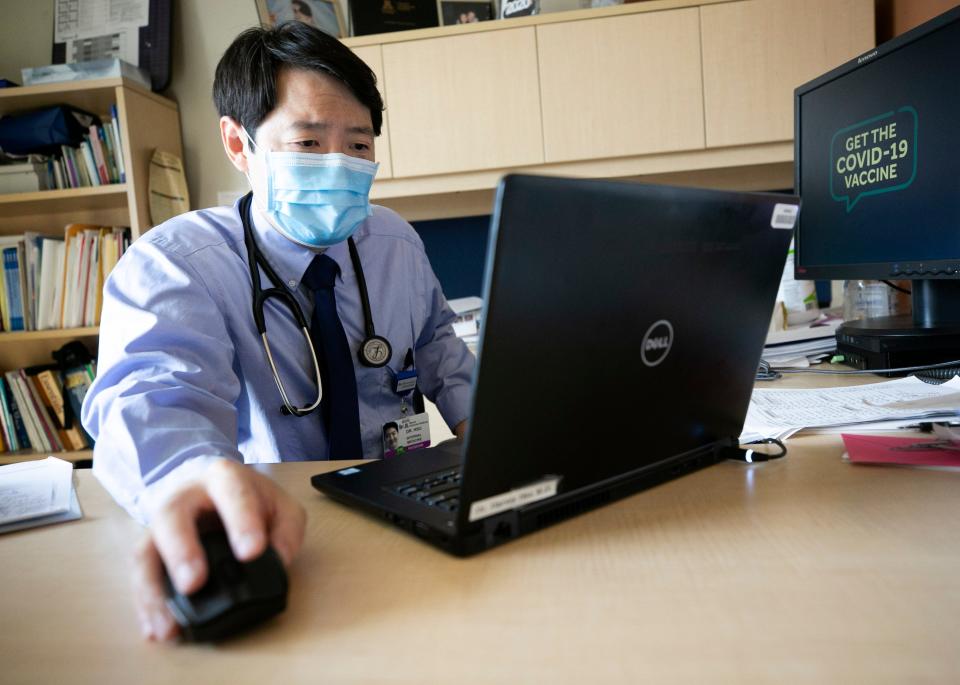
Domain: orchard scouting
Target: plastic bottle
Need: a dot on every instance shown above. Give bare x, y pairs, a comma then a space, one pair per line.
868, 299
799, 297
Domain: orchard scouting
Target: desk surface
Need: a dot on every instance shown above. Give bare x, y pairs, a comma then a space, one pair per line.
805, 569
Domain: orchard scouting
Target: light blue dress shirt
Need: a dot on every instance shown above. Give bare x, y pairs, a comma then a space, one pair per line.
182, 377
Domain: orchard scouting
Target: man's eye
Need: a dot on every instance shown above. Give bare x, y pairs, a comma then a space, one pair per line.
306, 143
361, 147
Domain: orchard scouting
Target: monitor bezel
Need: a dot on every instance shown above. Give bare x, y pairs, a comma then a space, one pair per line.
933, 269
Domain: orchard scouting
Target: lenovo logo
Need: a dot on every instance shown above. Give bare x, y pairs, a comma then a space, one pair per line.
656, 343
863, 58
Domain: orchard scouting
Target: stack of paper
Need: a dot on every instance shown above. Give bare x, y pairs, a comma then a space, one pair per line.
35, 493
797, 347
469, 311
876, 406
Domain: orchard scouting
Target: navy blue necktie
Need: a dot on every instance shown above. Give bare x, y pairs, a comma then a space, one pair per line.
341, 413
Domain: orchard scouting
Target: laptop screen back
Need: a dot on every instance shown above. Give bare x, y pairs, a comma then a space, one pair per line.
623, 326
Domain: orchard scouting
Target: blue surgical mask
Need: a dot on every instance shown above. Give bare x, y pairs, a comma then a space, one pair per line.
316, 200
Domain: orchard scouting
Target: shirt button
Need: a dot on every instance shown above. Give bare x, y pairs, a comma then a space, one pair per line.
292, 283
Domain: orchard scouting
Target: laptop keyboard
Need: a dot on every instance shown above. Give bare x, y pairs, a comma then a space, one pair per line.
440, 489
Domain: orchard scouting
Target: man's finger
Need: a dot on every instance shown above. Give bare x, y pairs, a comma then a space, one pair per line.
156, 623
233, 490
174, 528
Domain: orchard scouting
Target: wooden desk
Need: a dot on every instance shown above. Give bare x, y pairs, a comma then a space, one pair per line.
805, 569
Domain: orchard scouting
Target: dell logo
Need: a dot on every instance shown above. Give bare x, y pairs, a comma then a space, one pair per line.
656, 343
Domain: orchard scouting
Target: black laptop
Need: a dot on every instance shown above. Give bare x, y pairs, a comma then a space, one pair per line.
622, 329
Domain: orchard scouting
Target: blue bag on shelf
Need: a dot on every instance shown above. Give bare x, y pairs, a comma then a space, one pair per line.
43, 131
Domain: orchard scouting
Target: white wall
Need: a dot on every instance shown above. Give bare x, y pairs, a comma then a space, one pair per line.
26, 36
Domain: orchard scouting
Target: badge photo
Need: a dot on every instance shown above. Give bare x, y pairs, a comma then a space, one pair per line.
405, 434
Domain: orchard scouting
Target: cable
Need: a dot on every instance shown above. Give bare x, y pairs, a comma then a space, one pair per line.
752, 456
897, 287
934, 374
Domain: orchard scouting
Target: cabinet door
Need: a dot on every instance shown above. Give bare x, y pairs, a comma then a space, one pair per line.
464, 102
373, 59
755, 53
627, 85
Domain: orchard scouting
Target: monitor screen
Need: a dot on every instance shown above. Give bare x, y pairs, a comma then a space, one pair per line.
878, 161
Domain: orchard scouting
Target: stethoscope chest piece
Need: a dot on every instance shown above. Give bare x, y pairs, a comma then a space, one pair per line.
375, 351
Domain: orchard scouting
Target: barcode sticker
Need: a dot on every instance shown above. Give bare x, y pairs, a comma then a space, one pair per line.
784, 216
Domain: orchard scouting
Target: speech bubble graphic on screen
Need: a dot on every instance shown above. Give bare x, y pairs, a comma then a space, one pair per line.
875, 156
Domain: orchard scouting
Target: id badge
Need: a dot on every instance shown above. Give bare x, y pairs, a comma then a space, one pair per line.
405, 381
405, 434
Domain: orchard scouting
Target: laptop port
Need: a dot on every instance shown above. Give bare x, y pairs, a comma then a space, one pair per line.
500, 529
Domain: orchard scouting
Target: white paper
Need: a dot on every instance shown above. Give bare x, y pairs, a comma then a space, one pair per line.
113, 25
35, 488
779, 412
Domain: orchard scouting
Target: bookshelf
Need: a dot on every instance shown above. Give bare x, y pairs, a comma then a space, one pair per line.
147, 122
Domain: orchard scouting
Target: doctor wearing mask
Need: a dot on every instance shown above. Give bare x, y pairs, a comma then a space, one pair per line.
273, 330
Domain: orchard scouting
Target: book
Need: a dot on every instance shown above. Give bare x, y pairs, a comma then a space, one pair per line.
6, 422
35, 433
115, 124
13, 321
16, 418
46, 425
47, 383
48, 288
32, 246
98, 157
89, 162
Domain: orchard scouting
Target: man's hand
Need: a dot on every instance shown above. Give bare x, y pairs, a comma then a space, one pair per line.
460, 429
254, 512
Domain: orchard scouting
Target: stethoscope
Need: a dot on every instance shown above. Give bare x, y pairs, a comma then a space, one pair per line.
375, 350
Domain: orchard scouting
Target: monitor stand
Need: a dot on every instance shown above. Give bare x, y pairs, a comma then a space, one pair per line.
930, 336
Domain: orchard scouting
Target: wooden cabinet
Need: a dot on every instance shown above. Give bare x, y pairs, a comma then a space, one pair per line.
626, 85
689, 92
756, 52
464, 102
147, 121
373, 58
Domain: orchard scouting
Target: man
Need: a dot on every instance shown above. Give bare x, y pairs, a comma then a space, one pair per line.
186, 391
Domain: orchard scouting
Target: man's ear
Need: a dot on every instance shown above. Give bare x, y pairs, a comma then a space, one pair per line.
233, 137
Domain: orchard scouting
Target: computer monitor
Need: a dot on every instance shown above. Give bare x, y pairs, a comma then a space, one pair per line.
877, 166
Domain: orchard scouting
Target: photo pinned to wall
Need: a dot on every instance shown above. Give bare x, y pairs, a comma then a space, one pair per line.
324, 14
466, 11
386, 16
518, 8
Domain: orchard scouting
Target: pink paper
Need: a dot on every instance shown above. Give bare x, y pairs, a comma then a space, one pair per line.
878, 449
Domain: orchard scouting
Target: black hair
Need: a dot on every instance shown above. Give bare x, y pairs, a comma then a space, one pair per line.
393, 425
245, 84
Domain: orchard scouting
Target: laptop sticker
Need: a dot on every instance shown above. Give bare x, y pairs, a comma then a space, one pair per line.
514, 499
784, 216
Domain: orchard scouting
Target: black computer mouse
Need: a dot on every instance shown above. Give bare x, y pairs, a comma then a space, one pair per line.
236, 596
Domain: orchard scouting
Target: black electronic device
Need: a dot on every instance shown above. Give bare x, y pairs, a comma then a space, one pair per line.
236, 596
607, 359
877, 165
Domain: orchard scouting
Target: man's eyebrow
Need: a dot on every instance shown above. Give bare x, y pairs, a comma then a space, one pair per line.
324, 126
